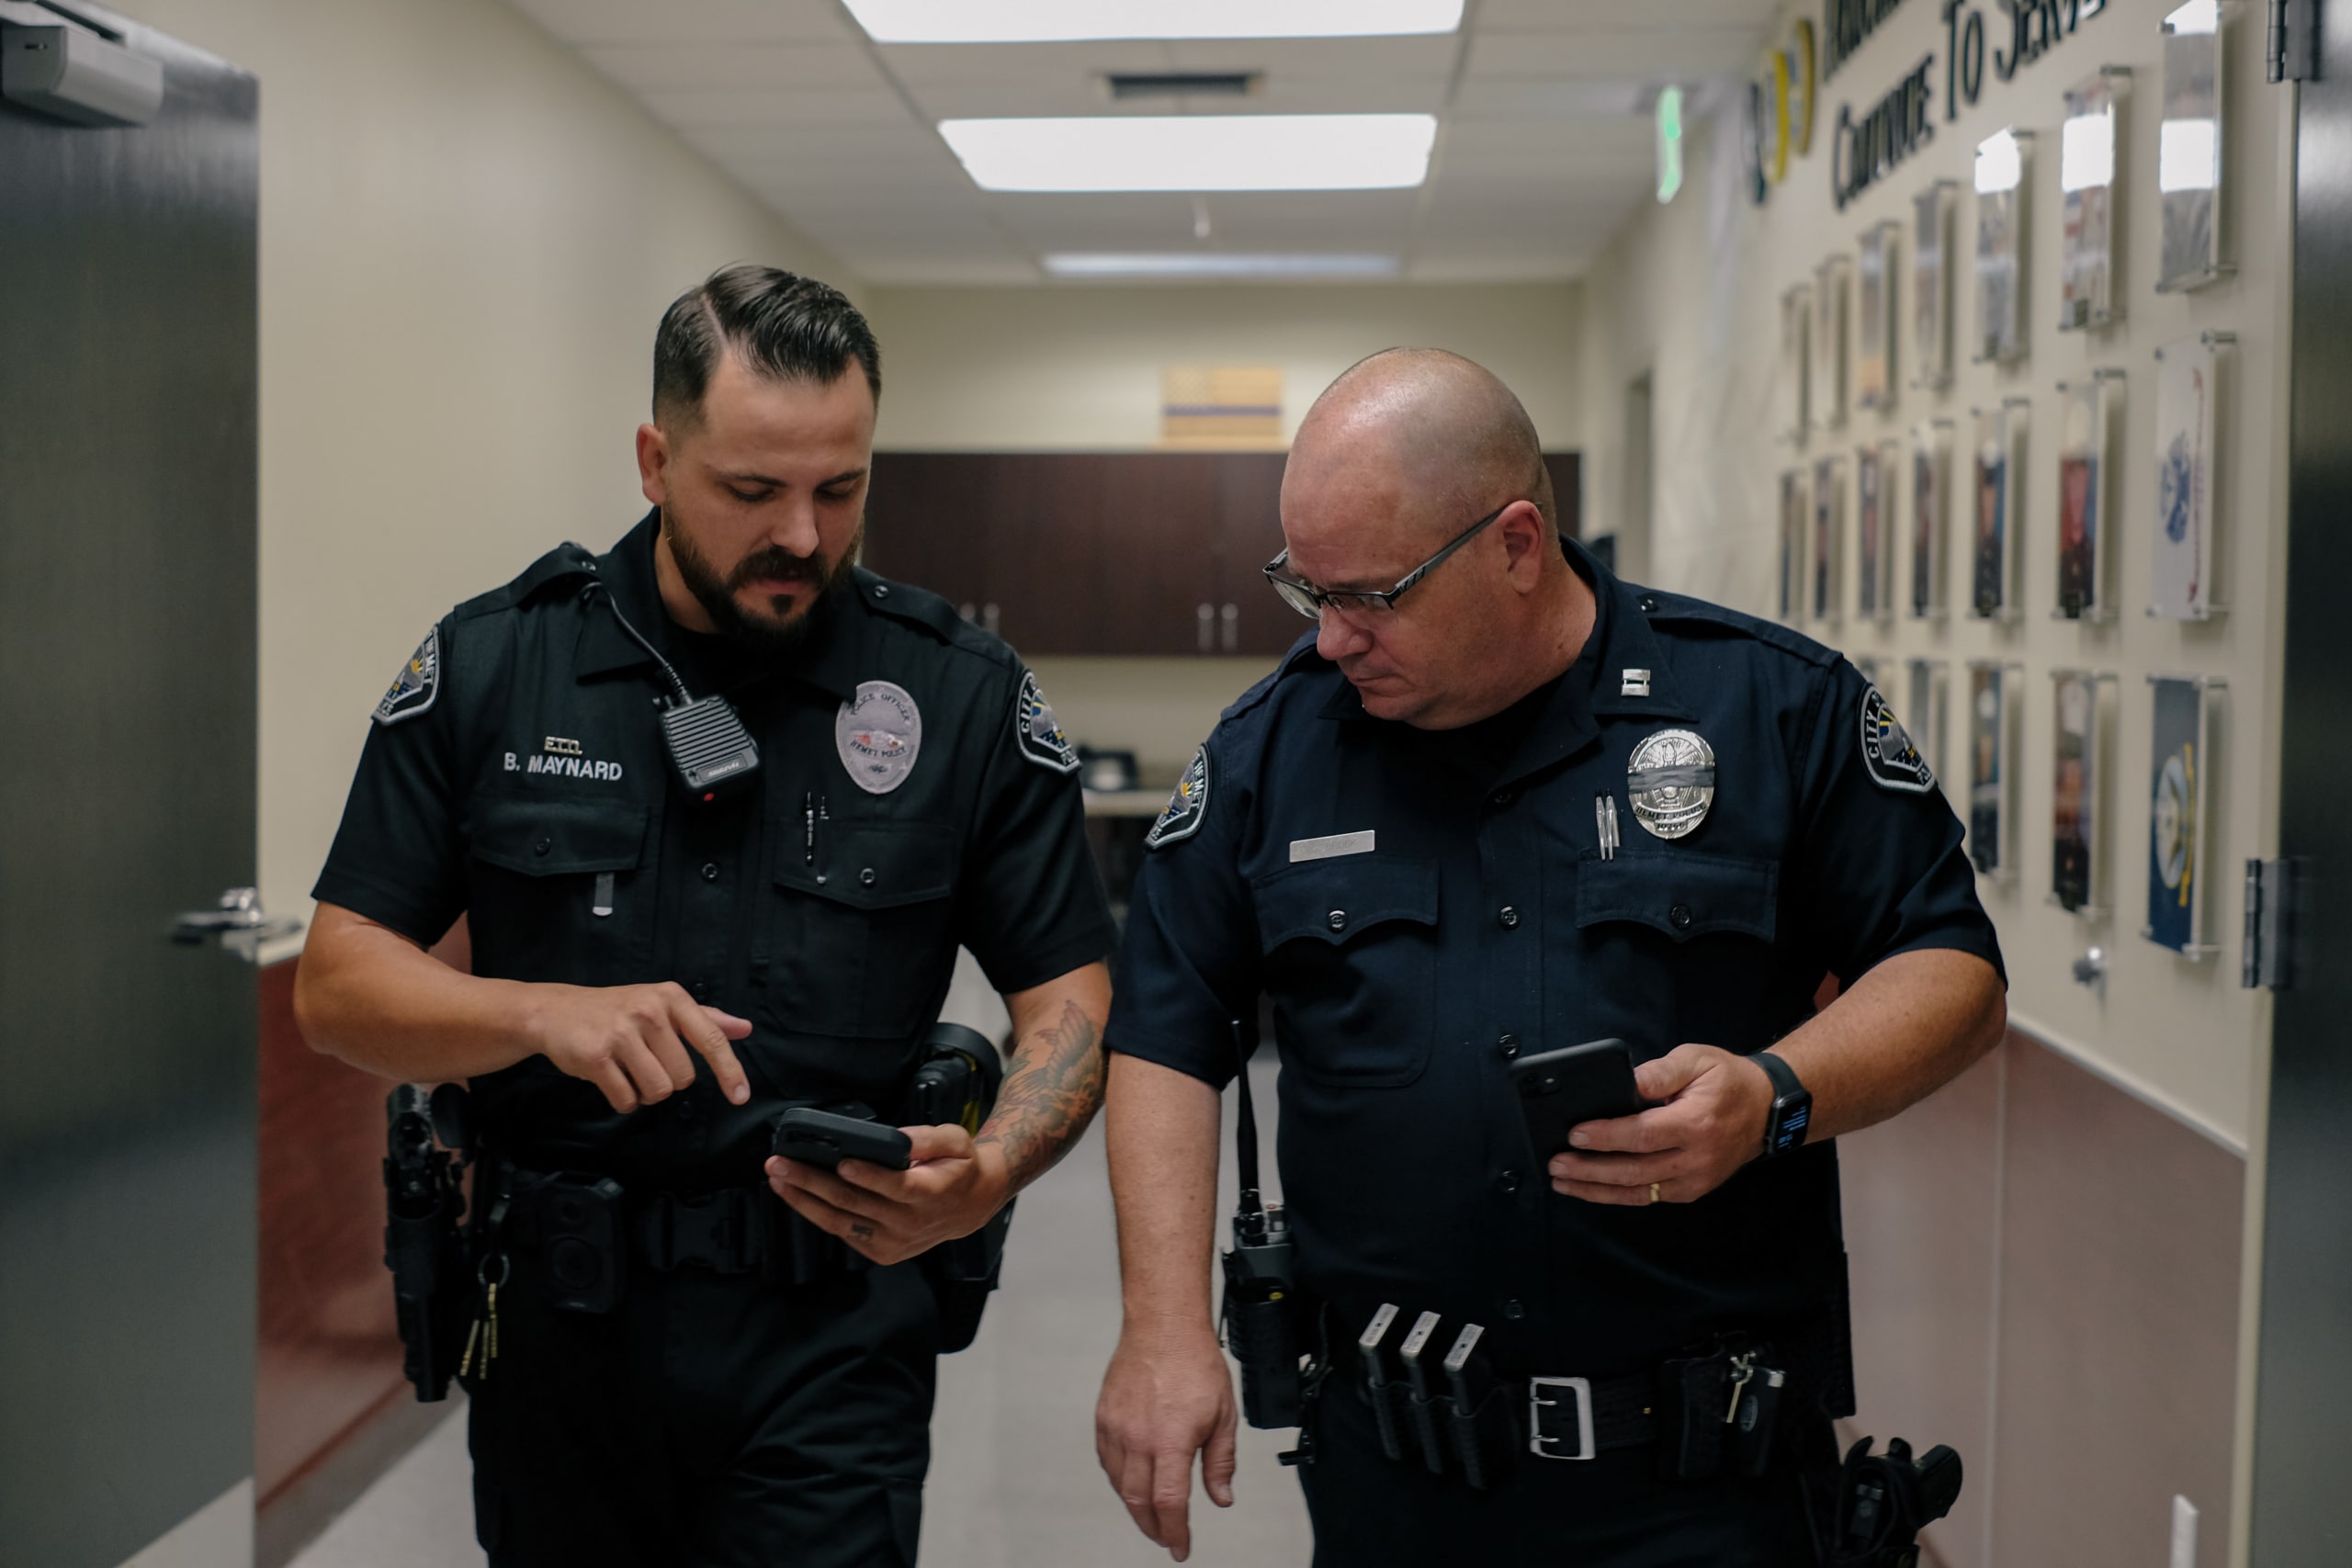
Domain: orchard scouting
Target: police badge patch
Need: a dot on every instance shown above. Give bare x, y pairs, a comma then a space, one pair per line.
878, 734
418, 684
1186, 807
1670, 779
1038, 732
1893, 762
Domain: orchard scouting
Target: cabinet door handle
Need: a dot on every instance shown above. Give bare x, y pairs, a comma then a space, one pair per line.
1207, 614
988, 619
970, 611
1229, 629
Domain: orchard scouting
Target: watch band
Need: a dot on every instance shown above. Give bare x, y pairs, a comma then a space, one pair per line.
1792, 1111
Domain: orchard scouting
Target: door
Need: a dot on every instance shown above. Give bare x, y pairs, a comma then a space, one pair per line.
126, 638
2304, 1386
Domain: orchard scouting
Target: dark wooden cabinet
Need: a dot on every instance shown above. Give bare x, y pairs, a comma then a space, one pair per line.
1138, 553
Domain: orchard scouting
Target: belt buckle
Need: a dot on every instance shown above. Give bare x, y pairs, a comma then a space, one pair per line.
1540, 1442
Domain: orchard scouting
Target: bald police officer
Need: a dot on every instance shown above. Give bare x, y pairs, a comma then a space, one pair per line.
672, 943
1502, 803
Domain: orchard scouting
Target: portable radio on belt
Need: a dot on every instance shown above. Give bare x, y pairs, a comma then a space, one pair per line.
1260, 1309
711, 751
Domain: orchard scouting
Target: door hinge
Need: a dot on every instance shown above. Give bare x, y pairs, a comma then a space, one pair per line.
2291, 51
2269, 944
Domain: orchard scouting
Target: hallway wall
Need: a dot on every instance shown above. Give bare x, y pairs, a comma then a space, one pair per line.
2157, 1078
467, 239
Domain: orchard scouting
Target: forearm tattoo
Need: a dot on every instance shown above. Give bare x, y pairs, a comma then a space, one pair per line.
1051, 1092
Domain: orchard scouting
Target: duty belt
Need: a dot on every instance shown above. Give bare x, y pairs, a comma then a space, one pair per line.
1709, 1412
730, 1231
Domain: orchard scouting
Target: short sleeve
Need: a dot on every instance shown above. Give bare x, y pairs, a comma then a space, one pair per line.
1031, 905
1878, 867
1189, 963
398, 857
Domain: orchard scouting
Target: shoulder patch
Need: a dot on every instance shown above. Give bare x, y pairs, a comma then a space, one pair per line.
418, 683
1887, 751
1186, 807
1038, 733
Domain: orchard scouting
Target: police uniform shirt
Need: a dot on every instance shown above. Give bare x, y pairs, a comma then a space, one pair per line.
913, 793
1421, 908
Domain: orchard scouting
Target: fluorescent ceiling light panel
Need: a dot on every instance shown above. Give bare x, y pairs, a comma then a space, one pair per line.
1196, 152
1187, 264
1064, 21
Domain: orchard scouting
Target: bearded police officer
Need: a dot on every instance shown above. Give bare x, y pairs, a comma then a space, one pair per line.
718, 807
1503, 804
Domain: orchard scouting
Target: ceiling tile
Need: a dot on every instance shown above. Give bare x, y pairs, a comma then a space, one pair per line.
581, 22
749, 107
1590, 16
905, 143
1667, 56
688, 67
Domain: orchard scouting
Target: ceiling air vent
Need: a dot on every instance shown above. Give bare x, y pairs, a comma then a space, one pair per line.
1184, 84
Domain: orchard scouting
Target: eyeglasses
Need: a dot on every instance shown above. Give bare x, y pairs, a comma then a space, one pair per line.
1311, 602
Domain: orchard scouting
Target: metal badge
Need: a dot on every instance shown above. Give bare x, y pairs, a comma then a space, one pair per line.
878, 735
1633, 683
1671, 782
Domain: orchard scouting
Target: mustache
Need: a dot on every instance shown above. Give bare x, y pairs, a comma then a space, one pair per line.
779, 565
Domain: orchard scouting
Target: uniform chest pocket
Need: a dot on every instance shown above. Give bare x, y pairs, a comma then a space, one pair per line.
1682, 896
1351, 962
557, 889
858, 939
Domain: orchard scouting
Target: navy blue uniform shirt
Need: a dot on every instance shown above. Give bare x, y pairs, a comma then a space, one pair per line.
516, 775
1483, 922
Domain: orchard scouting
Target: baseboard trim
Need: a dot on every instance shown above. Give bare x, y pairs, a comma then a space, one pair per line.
299, 1512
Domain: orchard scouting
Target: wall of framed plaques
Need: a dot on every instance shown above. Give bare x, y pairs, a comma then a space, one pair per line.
2024, 377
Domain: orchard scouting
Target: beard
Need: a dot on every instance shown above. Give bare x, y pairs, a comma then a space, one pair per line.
767, 639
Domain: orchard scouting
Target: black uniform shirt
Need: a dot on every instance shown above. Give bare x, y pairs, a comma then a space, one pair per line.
1480, 921
516, 775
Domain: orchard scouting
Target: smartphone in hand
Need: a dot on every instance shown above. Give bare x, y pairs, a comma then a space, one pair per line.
1558, 1090
827, 1139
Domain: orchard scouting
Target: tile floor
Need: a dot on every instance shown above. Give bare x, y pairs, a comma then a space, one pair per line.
1013, 1480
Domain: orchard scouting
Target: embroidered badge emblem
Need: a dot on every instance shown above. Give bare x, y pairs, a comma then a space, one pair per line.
878, 734
1186, 807
1887, 751
1038, 733
418, 684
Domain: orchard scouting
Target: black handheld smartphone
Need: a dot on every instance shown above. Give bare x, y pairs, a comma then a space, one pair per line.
827, 1139
1591, 1082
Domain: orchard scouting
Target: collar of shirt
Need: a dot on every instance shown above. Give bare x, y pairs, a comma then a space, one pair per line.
831, 662
1593, 686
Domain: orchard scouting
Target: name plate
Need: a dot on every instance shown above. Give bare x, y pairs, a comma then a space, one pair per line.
1332, 848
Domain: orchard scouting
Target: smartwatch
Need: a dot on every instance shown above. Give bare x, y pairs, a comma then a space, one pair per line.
1791, 1111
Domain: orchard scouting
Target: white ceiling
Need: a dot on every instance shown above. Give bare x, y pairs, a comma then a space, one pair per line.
1544, 146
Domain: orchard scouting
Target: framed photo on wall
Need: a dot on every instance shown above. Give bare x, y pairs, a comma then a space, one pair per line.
2188, 420
1833, 294
1931, 243
2003, 162
2080, 722
2089, 151
1930, 509
1992, 717
1875, 468
1929, 696
2088, 412
1796, 517
1875, 318
1996, 495
2190, 147
1828, 538
2179, 789
1794, 385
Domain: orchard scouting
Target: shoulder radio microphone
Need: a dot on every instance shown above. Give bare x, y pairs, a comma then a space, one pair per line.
712, 753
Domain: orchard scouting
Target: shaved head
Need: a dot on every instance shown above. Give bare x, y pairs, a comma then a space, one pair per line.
1407, 453
1440, 427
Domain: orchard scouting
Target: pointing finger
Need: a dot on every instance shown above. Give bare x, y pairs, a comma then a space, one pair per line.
707, 1035
728, 1024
